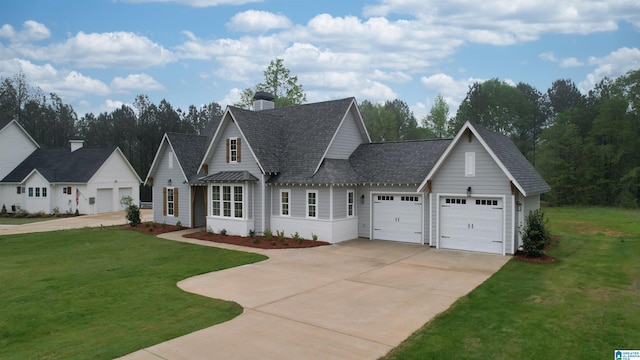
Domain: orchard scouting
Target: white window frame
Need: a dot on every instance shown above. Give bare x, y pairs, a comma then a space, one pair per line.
30, 189
469, 164
351, 203
44, 192
228, 206
310, 205
288, 203
233, 153
171, 204
37, 192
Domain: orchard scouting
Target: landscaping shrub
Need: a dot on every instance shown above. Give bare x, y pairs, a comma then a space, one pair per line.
4, 210
535, 235
133, 215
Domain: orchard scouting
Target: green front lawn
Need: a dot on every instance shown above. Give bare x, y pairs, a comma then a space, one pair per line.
585, 306
103, 293
22, 220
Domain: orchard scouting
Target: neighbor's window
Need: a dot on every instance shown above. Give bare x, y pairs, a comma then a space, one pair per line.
37, 192
30, 192
44, 192
284, 202
350, 203
312, 203
227, 201
470, 164
170, 202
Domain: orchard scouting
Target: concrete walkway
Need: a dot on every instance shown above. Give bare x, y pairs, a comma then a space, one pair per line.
75, 222
354, 300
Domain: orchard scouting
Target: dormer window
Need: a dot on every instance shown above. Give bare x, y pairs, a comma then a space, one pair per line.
233, 150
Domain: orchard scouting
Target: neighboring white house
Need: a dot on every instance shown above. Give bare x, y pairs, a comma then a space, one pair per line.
35, 179
312, 169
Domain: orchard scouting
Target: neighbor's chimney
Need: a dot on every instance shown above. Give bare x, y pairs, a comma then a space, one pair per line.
76, 144
262, 100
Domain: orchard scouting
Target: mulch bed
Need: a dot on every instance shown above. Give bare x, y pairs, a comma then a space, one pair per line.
153, 228
544, 259
259, 242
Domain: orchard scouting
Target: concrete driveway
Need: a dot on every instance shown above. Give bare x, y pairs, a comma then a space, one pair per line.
75, 222
354, 300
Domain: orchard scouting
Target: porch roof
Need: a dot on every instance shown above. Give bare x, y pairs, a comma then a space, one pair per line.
230, 176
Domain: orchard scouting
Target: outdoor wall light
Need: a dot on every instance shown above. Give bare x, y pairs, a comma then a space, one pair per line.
169, 182
519, 203
469, 191
361, 199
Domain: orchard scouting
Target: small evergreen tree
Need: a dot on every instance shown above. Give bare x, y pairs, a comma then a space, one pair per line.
535, 235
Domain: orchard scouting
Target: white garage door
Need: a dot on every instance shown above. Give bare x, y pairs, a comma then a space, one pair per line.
397, 217
104, 201
473, 224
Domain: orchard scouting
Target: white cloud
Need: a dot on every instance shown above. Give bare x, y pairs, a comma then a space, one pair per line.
232, 97
258, 21
615, 64
102, 50
66, 84
502, 22
452, 90
142, 82
570, 62
548, 56
198, 3
31, 31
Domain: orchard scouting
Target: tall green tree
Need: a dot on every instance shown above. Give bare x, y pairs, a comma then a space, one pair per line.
498, 106
391, 121
437, 121
279, 82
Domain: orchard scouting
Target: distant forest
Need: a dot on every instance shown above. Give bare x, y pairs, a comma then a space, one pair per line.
587, 147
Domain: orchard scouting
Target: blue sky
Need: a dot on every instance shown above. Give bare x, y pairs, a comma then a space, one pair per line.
100, 54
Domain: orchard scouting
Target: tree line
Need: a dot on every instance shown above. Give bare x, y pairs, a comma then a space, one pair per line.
584, 145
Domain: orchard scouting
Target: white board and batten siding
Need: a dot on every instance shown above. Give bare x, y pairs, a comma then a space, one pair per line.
331, 224
168, 169
15, 146
488, 183
347, 138
253, 189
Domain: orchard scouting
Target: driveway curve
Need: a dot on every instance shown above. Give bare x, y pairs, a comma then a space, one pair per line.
353, 300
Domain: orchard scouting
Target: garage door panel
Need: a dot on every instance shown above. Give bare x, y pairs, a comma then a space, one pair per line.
397, 217
471, 224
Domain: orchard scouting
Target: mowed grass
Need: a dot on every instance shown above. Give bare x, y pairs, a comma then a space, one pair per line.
103, 293
585, 306
23, 220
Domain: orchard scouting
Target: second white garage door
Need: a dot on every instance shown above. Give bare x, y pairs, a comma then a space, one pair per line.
397, 217
473, 224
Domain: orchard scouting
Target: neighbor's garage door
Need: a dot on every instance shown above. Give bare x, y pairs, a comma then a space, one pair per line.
473, 224
397, 217
104, 202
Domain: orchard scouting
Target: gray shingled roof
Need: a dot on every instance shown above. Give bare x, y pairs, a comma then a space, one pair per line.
62, 165
292, 140
189, 149
515, 162
403, 162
